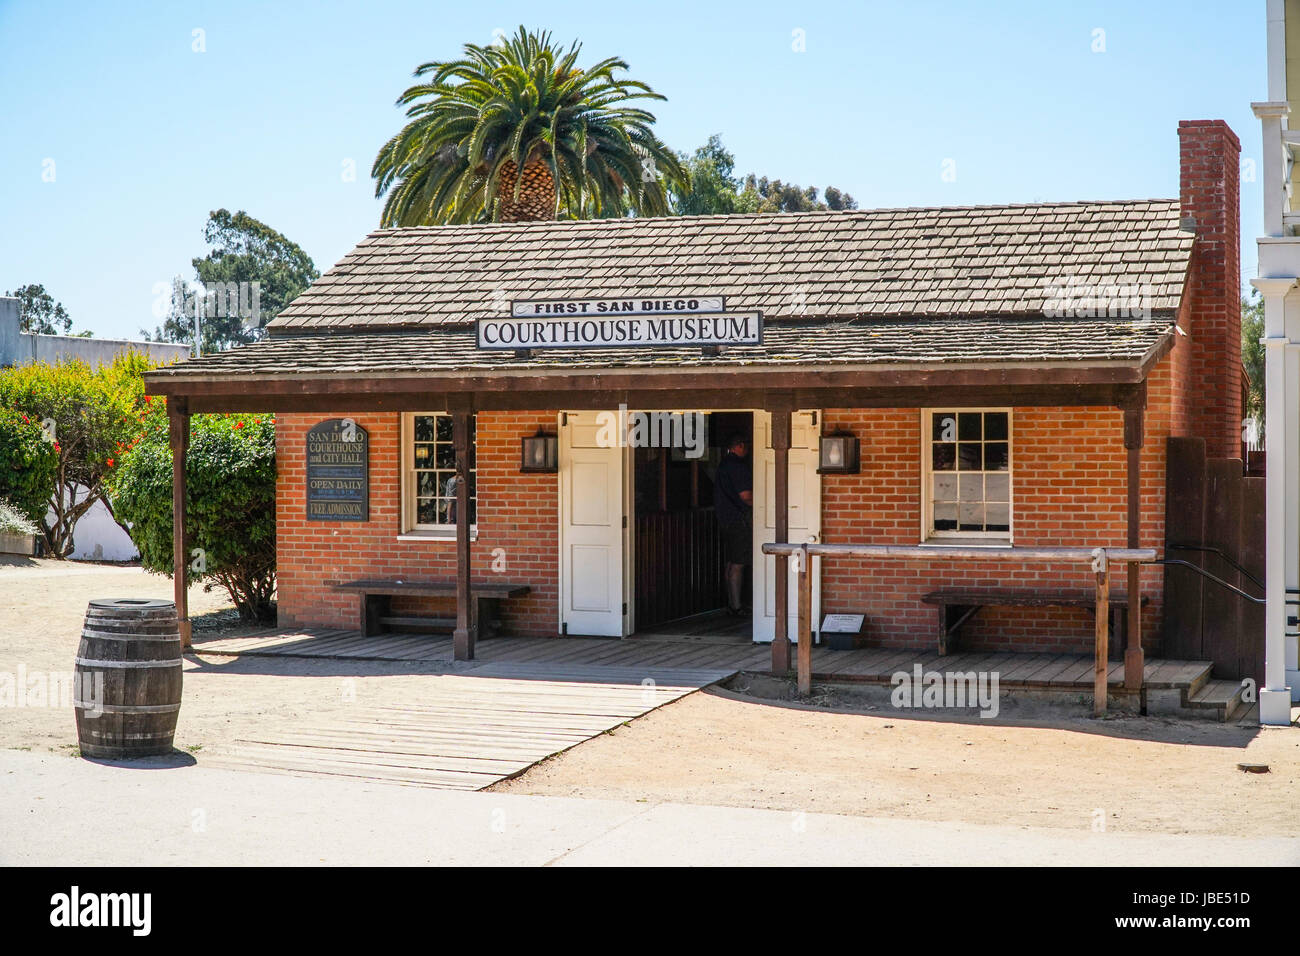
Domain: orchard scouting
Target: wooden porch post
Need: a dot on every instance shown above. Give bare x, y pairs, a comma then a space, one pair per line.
1134, 659
780, 411
466, 632
805, 623
178, 421
1101, 660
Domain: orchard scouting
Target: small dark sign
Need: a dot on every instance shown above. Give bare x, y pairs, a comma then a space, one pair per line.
338, 471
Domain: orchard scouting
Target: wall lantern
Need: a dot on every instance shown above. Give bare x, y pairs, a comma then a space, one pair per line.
837, 454
540, 453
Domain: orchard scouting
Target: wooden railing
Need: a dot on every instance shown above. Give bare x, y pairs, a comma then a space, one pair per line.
1099, 558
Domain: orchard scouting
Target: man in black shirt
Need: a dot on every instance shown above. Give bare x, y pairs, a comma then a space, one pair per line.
733, 503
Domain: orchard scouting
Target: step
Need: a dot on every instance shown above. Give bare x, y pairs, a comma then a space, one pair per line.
1220, 697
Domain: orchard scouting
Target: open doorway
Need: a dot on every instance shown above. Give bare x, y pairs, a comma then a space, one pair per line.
679, 551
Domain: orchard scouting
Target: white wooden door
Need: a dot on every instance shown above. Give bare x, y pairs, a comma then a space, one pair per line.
592, 529
805, 518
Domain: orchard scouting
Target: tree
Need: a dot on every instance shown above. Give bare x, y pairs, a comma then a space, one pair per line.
230, 518
1252, 353
39, 313
712, 189
763, 195
517, 131
248, 276
89, 417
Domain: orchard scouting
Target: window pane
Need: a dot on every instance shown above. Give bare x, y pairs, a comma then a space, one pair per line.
971, 517
945, 517
968, 426
972, 487
945, 487
969, 457
995, 426
998, 517
943, 426
997, 487
943, 456
432, 483
996, 456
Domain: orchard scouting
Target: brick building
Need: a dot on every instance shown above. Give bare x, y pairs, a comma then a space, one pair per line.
1009, 376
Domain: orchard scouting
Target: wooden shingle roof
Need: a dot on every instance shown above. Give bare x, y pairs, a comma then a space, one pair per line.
880, 263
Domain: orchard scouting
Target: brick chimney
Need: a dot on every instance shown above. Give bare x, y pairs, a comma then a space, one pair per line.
1210, 195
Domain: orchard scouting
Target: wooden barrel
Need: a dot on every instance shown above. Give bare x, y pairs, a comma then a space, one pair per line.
127, 694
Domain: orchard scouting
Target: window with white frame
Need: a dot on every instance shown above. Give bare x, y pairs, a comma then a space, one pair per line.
967, 473
429, 473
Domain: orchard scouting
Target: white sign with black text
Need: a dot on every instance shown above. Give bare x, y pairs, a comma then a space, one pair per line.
566, 331
660, 305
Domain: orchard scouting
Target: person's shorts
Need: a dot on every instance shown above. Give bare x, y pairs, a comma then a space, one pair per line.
737, 543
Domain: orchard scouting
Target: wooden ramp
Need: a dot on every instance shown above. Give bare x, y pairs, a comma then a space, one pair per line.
487, 723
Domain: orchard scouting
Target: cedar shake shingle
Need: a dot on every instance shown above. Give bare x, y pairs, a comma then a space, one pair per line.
950, 263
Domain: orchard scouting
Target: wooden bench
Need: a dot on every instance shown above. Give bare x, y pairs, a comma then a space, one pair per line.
958, 605
376, 600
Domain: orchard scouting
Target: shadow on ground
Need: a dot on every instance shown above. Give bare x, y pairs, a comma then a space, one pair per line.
1064, 711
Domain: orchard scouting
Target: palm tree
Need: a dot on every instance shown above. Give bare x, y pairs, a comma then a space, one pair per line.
518, 132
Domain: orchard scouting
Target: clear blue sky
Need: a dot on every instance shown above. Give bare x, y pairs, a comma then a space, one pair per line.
147, 136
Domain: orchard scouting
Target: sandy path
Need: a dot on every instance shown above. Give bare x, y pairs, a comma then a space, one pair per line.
1142, 774
718, 747
42, 604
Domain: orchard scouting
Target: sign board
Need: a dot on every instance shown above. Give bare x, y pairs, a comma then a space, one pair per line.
338, 471
566, 331
599, 308
842, 623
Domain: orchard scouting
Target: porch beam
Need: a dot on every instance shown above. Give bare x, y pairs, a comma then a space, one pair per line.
706, 379
465, 634
1134, 656
781, 408
250, 398
178, 433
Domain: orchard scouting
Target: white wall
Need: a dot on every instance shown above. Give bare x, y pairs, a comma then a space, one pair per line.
99, 538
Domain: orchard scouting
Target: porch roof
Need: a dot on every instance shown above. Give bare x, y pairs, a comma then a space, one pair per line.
451, 353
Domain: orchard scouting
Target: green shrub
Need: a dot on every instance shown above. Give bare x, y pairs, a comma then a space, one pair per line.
230, 478
28, 465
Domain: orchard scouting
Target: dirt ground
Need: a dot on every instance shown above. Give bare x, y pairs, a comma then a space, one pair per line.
43, 603
846, 752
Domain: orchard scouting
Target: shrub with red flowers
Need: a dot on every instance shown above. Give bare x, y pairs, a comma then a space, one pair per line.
28, 462
230, 480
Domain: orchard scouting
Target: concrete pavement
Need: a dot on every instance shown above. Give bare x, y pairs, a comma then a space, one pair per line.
58, 810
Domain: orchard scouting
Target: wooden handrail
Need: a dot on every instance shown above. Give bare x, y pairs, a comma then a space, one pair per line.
946, 552
1099, 558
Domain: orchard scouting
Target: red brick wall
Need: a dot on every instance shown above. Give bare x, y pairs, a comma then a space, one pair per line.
1210, 196
1069, 489
517, 513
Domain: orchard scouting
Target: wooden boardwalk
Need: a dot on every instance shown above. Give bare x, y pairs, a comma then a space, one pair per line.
878, 665
473, 729
525, 699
